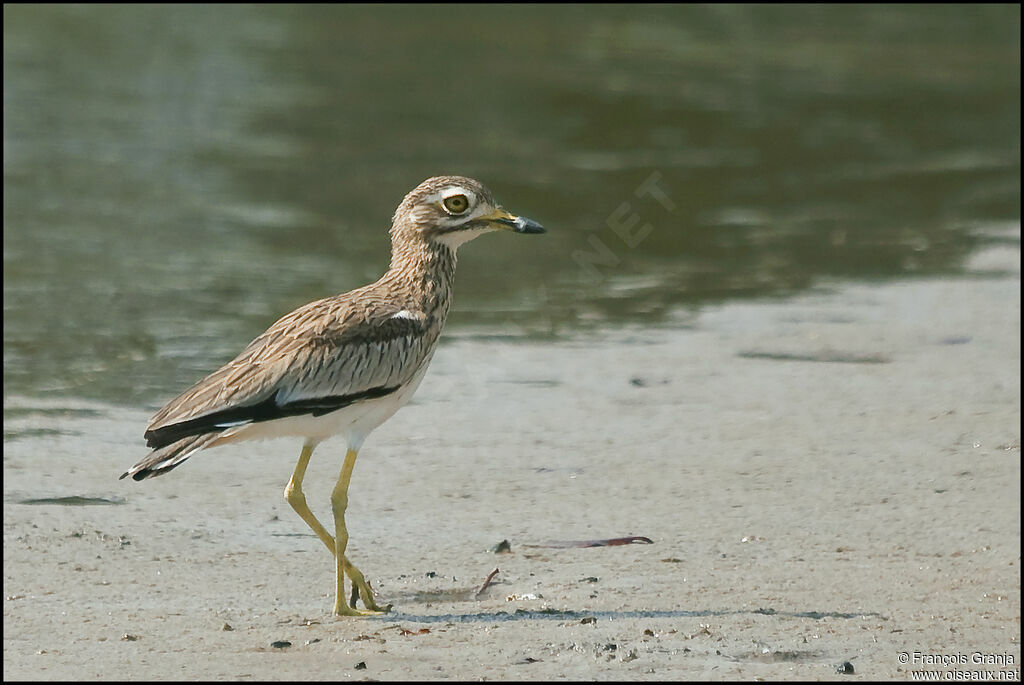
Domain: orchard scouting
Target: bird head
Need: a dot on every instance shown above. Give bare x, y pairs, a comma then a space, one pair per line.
452, 210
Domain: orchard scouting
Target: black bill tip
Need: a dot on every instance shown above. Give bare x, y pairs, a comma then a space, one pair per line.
523, 225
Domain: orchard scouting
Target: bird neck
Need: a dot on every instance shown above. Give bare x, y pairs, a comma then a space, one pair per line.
425, 271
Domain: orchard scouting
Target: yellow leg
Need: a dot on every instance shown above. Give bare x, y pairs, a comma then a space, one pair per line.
339, 502
295, 497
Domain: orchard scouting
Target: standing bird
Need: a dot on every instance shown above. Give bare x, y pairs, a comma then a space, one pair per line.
339, 366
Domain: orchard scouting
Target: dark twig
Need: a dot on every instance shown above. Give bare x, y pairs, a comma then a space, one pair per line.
566, 544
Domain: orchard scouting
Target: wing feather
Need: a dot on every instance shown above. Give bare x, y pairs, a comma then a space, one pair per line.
319, 358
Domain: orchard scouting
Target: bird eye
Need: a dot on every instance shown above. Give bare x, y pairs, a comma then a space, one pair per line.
456, 204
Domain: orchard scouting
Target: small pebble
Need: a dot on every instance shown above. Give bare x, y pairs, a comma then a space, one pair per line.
361, 666
845, 668
280, 644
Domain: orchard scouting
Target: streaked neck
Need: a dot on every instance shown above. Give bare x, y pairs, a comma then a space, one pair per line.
424, 270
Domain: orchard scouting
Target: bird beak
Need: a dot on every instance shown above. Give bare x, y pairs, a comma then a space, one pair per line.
519, 224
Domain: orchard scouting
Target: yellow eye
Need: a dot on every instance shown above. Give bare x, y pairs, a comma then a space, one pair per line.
456, 204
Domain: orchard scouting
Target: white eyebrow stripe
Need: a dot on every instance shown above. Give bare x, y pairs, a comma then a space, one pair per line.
458, 190
448, 192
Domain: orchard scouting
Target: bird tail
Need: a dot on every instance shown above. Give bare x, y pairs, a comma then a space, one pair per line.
162, 460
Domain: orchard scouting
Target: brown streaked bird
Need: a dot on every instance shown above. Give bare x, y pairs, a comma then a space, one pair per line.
339, 366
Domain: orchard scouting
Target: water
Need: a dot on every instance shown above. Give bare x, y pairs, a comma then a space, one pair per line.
176, 178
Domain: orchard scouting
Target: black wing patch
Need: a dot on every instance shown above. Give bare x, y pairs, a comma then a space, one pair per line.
267, 410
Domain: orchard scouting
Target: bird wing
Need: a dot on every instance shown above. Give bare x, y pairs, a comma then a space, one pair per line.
319, 358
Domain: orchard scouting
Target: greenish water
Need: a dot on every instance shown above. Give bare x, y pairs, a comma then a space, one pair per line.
176, 178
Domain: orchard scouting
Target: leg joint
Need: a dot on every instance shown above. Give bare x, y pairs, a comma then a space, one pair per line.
294, 495
339, 501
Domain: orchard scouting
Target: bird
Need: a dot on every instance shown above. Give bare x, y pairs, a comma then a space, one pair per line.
339, 366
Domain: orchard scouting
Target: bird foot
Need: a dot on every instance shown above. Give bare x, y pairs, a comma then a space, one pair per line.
346, 610
366, 592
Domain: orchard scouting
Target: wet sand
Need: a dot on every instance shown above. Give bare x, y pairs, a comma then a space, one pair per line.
829, 478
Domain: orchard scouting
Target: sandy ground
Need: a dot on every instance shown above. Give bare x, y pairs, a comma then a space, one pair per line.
830, 478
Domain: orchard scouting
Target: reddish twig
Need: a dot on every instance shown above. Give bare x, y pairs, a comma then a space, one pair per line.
486, 583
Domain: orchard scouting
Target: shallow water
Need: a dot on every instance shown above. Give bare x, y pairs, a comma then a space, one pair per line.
176, 178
